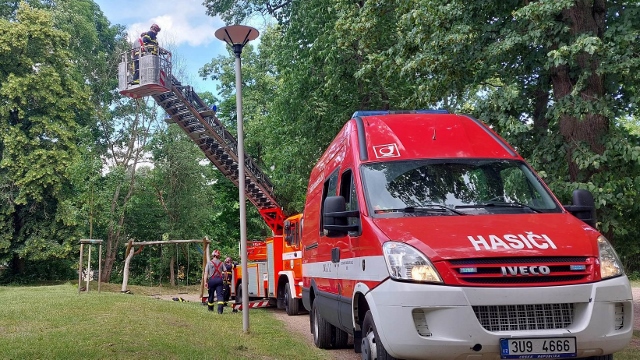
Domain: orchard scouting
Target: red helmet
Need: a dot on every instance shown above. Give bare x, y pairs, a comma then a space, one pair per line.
155, 28
216, 253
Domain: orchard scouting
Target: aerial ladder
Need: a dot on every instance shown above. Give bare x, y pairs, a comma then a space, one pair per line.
275, 264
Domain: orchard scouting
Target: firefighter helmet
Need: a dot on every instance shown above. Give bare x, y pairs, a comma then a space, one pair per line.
155, 28
227, 260
216, 253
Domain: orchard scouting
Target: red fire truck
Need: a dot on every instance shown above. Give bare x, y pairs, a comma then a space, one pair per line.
274, 264
427, 236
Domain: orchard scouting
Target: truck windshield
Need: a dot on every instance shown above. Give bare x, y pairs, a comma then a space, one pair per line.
454, 187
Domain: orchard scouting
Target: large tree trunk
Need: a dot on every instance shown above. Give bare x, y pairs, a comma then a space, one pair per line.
585, 17
138, 135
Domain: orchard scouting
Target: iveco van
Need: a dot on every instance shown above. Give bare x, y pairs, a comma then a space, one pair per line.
426, 236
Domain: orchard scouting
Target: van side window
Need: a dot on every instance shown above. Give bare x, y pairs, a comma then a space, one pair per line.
348, 191
329, 189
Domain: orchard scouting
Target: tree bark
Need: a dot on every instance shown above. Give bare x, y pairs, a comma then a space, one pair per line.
585, 17
172, 276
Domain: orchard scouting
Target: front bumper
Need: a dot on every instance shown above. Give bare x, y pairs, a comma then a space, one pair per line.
456, 333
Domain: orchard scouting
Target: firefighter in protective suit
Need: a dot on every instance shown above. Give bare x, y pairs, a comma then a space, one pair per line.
226, 279
146, 44
214, 271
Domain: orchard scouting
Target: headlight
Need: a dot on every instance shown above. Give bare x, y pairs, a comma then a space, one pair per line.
610, 264
404, 262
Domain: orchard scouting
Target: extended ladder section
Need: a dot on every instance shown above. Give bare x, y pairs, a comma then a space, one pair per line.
187, 110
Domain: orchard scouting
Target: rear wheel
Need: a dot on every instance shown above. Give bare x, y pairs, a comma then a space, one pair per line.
291, 304
341, 338
372, 348
238, 298
321, 329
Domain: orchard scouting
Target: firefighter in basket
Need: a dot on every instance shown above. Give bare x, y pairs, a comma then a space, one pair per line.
146, 44
214, 273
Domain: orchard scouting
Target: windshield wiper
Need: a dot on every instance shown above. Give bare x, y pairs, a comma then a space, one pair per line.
429, 208
499, 204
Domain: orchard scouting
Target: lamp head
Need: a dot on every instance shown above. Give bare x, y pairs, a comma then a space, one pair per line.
237, 36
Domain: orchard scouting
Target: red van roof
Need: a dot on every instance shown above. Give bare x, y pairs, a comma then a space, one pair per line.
411, 136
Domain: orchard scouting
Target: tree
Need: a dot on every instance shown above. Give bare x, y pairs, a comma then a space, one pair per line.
236, 12
42, 99
553, 77
550, 81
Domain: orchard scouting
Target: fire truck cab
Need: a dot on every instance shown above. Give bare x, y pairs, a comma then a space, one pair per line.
427, 236
274, 269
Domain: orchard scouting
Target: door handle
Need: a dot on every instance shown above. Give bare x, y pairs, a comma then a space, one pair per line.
335, 255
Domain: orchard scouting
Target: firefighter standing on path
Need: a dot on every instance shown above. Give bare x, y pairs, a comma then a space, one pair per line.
214, 271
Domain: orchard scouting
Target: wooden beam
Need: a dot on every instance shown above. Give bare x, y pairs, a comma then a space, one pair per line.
161, 242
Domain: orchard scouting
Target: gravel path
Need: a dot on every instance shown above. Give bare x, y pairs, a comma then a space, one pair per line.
300, 325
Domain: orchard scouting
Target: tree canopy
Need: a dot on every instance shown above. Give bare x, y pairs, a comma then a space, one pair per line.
558, 79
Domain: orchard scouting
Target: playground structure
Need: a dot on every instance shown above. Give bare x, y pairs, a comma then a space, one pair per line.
89, 242
131, 251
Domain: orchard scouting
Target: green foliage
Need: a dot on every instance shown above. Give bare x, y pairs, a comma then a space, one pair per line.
557, 79
563, 92
42, 101
235, 12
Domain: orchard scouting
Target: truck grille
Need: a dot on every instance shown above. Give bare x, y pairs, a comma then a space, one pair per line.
523, 271
524, 317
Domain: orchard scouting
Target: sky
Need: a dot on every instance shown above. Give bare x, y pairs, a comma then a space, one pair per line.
186, 30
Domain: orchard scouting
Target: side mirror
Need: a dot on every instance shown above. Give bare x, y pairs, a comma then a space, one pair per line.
335, 217
584, 207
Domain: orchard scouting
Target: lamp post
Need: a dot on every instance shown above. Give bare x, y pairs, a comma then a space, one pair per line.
237, 36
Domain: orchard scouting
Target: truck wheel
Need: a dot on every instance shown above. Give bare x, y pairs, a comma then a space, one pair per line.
321, 329
372, 348
341, 338
238, 298
291, 305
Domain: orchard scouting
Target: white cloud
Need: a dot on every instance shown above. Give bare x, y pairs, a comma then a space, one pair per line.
182, 22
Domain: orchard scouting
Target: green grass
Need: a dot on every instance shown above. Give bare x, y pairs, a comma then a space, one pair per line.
55, 322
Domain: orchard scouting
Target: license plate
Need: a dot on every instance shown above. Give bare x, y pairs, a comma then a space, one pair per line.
538, 348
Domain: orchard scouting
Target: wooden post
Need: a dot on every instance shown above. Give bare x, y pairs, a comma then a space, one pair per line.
88, 269
80, 268
100, 266
205, 251
125, 274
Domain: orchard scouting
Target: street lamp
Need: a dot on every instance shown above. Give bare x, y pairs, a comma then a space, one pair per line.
237, 36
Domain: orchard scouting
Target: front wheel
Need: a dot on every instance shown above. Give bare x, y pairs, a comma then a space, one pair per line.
372, 348
291, 304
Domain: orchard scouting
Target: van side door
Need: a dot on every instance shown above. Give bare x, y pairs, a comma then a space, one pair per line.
325, 268
346, 246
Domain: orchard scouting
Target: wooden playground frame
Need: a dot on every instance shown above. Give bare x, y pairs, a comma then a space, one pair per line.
130, 252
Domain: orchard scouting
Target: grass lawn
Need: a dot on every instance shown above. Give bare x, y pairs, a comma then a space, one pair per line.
55, 322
